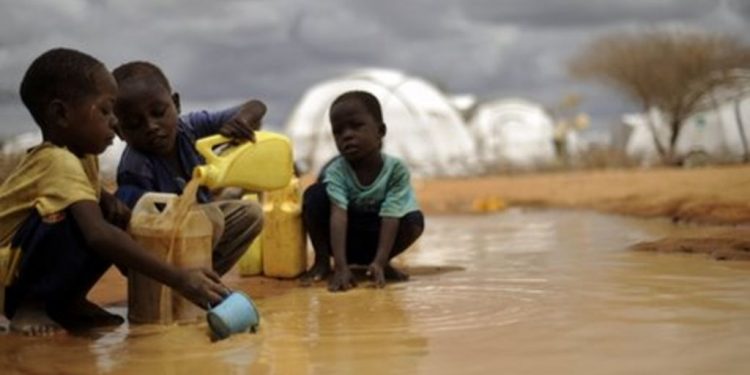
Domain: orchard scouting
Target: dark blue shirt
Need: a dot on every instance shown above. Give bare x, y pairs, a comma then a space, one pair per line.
139, 172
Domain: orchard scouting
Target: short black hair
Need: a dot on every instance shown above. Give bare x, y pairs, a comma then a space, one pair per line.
60, 73
370, 102
141, 70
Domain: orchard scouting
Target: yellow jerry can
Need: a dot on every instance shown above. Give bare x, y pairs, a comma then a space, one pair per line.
251, 263
182, 239
266, 164
284, 241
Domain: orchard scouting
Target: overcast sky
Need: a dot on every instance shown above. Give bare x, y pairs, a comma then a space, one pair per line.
221, 51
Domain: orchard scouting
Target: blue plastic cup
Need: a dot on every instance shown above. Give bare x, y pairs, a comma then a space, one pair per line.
236, 313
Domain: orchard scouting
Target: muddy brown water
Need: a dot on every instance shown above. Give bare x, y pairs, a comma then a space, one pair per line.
532, 292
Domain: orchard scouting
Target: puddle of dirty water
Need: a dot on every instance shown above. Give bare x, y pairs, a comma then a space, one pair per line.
517, 292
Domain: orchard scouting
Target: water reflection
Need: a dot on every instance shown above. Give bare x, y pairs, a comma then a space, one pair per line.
361, 331
518, 292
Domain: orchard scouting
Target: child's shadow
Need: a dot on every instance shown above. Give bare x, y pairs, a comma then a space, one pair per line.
360, 272
432, 270
361, 277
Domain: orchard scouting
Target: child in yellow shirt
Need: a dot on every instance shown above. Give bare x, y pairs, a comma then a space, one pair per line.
58, 227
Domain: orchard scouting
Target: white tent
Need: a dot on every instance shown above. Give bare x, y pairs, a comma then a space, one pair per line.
640, 144
721, 133
513, 133
424, 129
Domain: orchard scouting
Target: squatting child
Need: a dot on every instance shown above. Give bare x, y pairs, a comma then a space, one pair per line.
364, 210
160, 153
59, 229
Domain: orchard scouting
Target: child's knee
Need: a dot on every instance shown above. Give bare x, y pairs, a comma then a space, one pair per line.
315, 198
241, 214
413, 224
315, 192
216, 216
253, 216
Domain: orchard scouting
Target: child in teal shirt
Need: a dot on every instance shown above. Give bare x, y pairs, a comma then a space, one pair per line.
364, 211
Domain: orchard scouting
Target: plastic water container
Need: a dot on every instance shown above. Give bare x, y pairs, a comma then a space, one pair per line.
251, 263
266, 164
284, 241
184, 242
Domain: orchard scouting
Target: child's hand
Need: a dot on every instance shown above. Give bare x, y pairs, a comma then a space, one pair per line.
202, 287
238, 128
114, 211
341, 281
375, 271
247, 120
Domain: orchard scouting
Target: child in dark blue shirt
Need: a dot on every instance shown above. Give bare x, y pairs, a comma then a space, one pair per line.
160, 153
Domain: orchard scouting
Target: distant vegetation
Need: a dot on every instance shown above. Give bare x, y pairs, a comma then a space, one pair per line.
673, 71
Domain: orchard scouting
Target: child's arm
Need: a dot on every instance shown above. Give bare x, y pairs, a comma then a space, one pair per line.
388, 229
114, 210
136, 175
200, 286
201, 124
342, 276
245, 122
398, 201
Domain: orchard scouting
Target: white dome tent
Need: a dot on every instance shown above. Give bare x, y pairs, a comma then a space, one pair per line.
424, 129
720, 133
513, 133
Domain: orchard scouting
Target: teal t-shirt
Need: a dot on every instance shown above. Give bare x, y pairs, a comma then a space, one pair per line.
390, 195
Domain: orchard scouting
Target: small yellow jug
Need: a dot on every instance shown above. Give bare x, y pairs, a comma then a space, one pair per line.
284, 242
265, 164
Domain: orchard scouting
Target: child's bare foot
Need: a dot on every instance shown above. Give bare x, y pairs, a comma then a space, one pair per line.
31, 320
319, 271
99, 316
84, 314
394, 274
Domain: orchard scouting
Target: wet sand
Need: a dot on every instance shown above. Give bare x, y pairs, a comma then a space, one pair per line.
524, 291
716, 195
490, 291
687, 197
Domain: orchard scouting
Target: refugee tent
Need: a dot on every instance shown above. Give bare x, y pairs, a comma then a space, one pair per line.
513, 134
640, 129
424, 129
719, 133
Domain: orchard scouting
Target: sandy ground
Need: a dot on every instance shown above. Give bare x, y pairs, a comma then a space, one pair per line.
717, 195
710, 195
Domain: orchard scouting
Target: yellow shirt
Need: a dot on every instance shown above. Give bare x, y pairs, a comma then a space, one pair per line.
48, 179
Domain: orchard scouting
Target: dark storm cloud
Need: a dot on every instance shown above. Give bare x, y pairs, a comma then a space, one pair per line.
227, 50
742, 7
583, 13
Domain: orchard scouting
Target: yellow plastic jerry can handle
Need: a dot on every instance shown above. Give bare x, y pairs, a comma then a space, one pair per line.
147, 203
205, 146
